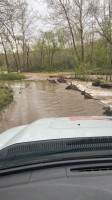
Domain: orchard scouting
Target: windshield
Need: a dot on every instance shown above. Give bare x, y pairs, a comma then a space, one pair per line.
55, 62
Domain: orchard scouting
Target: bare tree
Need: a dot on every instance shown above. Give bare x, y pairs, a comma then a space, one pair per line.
81, 19
60, 15
103, 16
5, 52
25, 24
74, 16
16, 21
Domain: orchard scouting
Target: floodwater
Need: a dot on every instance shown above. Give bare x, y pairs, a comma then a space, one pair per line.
38, 99
103, 94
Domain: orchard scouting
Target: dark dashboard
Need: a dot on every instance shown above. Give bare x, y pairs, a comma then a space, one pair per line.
59, 183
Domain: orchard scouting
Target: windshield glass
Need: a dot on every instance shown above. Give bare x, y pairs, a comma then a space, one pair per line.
55, 66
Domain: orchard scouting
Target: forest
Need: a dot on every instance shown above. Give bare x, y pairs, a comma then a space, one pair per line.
79, 37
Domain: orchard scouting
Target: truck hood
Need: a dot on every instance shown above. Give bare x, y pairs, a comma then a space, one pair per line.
57, 128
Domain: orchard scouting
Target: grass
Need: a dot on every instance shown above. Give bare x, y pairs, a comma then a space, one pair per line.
6, 97
82, 78
11, 77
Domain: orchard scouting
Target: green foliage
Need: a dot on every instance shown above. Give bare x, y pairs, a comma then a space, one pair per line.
52, 52
6, 97
11, 76
99, 54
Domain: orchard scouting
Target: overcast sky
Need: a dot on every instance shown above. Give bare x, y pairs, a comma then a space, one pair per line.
39, 6
41, 9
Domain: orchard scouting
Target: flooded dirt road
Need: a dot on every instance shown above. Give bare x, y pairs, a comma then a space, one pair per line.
38, 99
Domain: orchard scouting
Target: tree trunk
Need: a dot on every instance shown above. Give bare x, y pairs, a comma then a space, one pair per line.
110, 24
14, 56
42, 55
81, 33
6, 58
71, 31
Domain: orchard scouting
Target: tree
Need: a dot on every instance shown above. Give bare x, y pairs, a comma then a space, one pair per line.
5, 52
60, 13
103, 15
73, 16
47, 46
16, 22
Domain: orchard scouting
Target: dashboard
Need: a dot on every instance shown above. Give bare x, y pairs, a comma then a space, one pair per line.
57, 183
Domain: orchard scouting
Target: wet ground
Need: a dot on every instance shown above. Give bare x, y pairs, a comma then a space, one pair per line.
38, 99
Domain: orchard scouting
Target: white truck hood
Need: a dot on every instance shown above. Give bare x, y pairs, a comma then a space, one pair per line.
57, 128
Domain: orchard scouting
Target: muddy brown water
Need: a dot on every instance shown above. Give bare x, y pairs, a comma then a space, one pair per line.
38, 99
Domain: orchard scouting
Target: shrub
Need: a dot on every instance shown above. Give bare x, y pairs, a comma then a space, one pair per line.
11, 76
6, 97
96, 83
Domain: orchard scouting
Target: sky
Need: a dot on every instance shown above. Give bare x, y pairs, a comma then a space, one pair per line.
41, 9
38, 6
